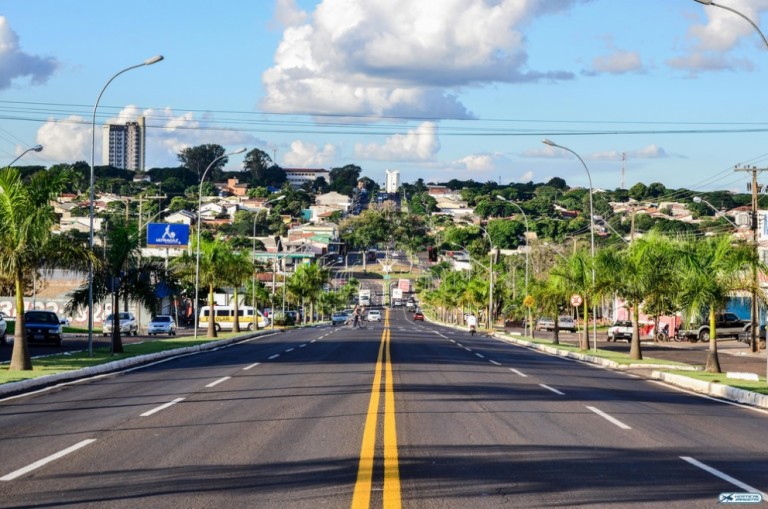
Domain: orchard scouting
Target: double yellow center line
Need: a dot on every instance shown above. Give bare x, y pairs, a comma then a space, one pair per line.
391, 495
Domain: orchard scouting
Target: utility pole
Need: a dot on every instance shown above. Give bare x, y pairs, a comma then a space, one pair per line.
755, 280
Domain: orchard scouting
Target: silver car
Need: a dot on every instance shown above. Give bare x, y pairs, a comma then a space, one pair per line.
128, 324
162, 324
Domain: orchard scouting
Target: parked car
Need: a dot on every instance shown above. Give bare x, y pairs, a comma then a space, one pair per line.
42, 327
162, 324
128, 324
746, 336
418, 315
621, 329
3, 329
374, 315
548, 324
726, 325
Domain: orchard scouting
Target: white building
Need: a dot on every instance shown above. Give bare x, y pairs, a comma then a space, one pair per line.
297, 177
123, 145
392, 183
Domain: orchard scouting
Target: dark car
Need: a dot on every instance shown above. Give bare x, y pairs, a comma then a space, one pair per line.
746, 336
418, 315
42, 327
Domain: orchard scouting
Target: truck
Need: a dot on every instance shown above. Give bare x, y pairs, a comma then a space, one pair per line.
621, 329
364, 298
727, 325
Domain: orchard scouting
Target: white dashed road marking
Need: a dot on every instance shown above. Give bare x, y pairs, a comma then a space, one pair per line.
608, 418
45, 461
217, 382
162, 407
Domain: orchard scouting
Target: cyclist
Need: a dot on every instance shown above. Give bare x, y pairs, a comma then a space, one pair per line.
472, 323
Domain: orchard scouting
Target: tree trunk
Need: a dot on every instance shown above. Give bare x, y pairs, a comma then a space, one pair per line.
635, 351
117, 342
713, 361
20, 359
211, 314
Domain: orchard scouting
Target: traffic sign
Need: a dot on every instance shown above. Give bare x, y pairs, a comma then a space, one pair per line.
576, 300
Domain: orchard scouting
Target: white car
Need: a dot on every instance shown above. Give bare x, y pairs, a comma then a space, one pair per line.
162, 324
374, 315
128, 324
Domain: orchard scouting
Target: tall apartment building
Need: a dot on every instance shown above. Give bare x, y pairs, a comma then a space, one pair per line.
392, 183
123, 145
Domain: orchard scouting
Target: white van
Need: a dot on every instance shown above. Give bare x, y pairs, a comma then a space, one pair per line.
225, 317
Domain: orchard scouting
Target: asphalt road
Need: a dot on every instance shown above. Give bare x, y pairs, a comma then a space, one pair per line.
406, 415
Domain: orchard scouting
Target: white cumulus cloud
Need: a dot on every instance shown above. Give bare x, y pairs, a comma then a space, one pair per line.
401, 57
419, 144
309, 155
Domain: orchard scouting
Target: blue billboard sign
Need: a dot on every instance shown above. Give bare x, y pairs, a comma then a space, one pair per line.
167, 235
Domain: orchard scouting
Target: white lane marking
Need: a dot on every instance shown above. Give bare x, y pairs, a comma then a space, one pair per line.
724, 477
553, 390
251, 366
313, 341
289, 350
302, 346
518, 372
217, 382
44, 461
494, 362
162, 407
459, 344
467, 349
480, 355
608, 418
453, 341
274, 357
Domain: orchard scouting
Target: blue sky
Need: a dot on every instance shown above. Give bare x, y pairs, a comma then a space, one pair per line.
437, 89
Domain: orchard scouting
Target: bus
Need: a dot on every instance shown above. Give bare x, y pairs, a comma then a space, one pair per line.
225, 317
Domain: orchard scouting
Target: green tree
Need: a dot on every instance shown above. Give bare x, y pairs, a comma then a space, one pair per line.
26, 218
197, 159
237, 269
344, 179
713, 269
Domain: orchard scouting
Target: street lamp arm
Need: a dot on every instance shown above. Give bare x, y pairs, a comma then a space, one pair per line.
710, 2
36, 148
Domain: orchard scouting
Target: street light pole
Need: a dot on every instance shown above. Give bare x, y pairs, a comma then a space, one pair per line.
197, 255
149, 61
527, 249
591, 229
253, 255
699, 199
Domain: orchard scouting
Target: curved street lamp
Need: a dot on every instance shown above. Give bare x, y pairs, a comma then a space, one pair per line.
591, 228
197, 255
253, 255
699, 199
527, 249
36, 148
149, 61
710, 2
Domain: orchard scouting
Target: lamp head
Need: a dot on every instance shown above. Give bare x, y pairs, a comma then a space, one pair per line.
697, 199
153, 60
705, 2
37, 148
238, 151
549, 142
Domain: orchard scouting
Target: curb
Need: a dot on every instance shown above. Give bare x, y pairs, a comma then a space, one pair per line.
115, 366
713, 389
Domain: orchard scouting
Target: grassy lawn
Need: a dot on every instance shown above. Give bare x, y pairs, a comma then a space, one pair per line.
53, 364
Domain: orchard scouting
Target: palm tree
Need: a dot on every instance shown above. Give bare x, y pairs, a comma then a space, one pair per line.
237, 269
26, 218
712, 269
213, 257
576, 278
122, 272
641, 270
